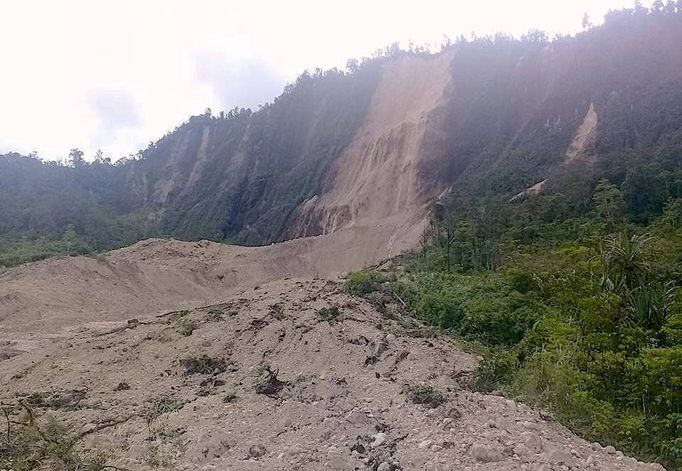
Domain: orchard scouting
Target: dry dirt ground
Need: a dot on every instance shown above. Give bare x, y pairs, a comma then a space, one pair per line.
157, 274
291, 375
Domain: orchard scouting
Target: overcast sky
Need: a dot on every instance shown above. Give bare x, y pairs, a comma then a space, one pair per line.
116, 74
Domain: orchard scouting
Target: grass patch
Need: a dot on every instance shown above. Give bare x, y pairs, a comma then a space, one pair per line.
64, 400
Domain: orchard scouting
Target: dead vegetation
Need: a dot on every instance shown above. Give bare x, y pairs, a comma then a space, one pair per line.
33, 442
66, 400
203, 365
267, 382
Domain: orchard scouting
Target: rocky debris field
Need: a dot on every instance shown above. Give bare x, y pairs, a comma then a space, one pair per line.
292, 375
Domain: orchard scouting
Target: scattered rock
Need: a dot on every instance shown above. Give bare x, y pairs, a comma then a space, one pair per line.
486, 453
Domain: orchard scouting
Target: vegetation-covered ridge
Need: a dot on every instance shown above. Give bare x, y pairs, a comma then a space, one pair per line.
576, 309
509, 120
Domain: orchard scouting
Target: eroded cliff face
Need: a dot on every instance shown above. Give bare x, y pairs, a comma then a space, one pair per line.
372, 147
380, 178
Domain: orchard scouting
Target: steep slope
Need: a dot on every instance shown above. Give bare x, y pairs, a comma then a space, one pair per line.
489, 117
358, 390
378, 175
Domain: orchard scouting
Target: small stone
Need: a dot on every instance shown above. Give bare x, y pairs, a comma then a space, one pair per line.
521, 450
610, 450
532, 441
385, 466
425, 444
486, 453
560, 456
357, 417
379, 439
256, 451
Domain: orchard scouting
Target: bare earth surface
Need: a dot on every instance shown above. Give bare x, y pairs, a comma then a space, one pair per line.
104, 344
156, 275
343, 399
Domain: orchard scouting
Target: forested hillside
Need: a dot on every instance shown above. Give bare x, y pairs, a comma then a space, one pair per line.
558, 114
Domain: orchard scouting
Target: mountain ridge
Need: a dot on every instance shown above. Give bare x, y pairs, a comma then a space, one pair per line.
508, 115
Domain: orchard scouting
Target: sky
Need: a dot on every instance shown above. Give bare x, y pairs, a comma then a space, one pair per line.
115, 75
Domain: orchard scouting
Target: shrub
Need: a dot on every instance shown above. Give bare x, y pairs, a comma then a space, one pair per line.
330, 315
495, 371
202, 365
33, 442
215, 315
426, 395
185, 326
521, 280
361, 283
164, 406
230, 397
479, 307
267, 382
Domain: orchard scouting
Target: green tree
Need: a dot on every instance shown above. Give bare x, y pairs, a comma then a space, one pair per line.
609, 203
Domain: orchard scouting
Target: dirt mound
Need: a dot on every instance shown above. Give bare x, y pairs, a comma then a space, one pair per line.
156, 275
374, 208
294, 375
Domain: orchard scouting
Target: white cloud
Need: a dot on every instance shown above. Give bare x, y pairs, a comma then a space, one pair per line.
238, 82
166, 56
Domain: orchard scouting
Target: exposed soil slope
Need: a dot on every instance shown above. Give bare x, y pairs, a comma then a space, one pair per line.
351, 391
378, 175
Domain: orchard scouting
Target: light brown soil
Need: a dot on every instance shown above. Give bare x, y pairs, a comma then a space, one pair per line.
344, 404
156, 275
345, 401
584, 136
378, 175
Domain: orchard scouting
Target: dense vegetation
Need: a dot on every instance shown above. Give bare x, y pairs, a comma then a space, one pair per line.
576, 308
510, 114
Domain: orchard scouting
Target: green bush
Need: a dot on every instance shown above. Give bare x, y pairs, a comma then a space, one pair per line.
481, 307
329, 314
426, 395
361, 283
496, 370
